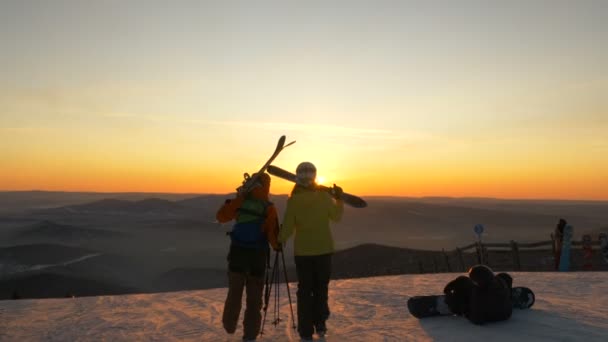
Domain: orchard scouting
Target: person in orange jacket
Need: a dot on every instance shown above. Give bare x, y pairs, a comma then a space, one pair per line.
256, 226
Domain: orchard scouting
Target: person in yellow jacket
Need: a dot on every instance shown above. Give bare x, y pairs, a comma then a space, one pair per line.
307, 216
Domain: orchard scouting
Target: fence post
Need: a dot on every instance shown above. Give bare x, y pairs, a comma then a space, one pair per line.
461, 258
516, 260
447, 260
479, 249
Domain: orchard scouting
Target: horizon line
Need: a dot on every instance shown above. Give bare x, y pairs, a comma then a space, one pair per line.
286, 194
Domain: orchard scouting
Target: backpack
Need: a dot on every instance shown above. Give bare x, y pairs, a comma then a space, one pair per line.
248, 231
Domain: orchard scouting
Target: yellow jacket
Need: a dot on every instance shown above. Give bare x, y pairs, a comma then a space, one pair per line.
308, 214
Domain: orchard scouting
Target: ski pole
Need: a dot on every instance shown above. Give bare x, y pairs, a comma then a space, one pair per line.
267, 294
288, 292
277, 299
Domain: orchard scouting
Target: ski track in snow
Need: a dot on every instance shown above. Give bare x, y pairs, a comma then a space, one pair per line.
66, 263
569, 307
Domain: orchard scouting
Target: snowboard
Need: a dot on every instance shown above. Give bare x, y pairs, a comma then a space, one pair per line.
352, 200
604, 246
564, 259
250, 181
429, 306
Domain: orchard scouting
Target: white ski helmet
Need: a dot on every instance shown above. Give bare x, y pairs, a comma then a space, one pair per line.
306, 173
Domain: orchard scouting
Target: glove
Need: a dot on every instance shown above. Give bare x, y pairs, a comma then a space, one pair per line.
278, 248
336, 192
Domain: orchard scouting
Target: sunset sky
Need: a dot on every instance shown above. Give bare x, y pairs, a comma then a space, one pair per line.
503, 99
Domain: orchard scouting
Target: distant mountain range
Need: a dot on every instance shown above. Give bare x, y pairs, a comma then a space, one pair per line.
202, 208
20, 201
160, 242
101, 275
63, 232
53, 285
191, 206
143, 206
41, 253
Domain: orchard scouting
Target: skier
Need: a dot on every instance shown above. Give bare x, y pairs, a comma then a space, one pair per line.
482, 296
558, 240
308, 214
256, 226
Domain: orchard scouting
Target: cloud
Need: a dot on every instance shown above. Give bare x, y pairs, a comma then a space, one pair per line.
372, 136
324, 130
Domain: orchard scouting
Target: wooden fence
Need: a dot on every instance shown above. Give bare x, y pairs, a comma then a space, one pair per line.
374, 260
514, 256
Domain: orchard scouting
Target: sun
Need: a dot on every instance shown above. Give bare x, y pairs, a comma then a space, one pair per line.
320, 179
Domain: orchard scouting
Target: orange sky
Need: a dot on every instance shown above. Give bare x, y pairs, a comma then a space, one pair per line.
360, 170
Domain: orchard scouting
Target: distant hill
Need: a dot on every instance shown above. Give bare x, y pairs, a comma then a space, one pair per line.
106, 204
204, 206
370, 260
207, 205
155, 204
51, 285
43, 253
111, 274
357, 262
55, 231
179, 279
435, 226
116, 206
563, 208
204, 201
20, 201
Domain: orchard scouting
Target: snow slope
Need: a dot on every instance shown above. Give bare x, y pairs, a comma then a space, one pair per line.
569, 307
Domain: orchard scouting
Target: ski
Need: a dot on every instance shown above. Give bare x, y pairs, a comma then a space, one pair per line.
249, 181
352, 200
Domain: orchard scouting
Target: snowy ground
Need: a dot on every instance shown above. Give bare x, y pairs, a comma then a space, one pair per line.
569, 307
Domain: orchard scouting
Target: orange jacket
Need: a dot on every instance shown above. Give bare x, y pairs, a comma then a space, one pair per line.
229, 210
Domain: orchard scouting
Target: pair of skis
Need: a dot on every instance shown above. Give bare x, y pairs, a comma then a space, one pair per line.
250, 181
352, 200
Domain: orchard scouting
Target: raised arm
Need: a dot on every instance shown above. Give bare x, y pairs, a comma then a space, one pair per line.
228, 211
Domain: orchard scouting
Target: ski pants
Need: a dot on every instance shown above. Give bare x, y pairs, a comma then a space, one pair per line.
246, 271
313, 280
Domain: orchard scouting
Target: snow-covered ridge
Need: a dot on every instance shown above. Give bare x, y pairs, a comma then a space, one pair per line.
569, 307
